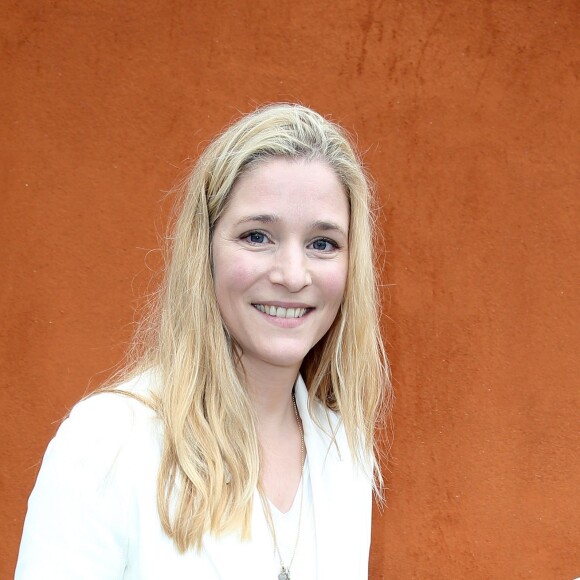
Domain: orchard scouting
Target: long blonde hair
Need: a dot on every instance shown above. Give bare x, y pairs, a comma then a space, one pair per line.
210, 464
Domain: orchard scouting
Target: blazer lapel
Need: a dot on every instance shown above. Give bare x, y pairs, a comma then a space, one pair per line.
332, 478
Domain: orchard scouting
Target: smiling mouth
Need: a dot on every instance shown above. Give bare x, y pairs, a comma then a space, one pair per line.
280, 312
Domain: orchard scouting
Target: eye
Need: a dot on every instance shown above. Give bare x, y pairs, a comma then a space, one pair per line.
324, 245
256, 238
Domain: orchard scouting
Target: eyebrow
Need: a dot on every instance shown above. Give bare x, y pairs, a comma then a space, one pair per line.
273, 218
262, 218
328, 227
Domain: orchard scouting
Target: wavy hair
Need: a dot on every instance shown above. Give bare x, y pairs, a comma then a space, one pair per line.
210, 462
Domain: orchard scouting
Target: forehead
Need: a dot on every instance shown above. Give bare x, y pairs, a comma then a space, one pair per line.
291, 188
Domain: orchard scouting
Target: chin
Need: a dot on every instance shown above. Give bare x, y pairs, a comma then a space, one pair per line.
284, 357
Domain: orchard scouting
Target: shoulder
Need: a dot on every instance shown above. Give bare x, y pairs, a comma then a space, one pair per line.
107, 447
118, 408
105, 427
88, 494
325, 432
116, 411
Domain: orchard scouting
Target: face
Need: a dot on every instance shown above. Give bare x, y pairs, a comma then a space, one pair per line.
280, 258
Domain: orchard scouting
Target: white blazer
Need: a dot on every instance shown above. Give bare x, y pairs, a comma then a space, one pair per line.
93, 512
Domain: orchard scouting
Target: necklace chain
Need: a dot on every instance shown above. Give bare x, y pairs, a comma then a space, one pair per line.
285, 570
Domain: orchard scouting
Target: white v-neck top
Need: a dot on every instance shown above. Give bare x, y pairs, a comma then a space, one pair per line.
286, 525
93, 511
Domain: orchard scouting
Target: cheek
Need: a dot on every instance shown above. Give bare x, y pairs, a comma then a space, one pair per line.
233, 275
334, 284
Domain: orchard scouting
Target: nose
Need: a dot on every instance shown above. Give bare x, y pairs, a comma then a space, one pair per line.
291, 269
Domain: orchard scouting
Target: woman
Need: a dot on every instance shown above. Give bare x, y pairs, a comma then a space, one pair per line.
244, 444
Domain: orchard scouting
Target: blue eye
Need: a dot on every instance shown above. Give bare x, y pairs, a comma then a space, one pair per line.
256, 238
323, 245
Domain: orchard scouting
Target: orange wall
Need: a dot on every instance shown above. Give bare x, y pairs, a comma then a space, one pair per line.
468, 113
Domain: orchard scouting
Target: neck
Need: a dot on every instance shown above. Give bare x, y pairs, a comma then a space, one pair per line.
270, 392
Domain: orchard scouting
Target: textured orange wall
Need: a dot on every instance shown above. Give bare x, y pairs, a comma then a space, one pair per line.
468, 113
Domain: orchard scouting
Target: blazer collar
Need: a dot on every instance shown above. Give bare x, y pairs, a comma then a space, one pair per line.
331, 479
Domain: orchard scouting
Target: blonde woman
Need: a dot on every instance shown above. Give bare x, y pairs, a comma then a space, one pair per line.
239, 440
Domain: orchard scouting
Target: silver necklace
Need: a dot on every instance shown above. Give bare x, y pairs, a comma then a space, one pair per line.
285, 570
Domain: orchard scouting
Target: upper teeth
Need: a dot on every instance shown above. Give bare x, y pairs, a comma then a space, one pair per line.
280, 312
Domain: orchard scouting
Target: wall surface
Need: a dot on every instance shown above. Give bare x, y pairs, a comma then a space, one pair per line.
468, 116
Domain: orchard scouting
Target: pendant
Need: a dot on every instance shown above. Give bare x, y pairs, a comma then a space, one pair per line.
284, 574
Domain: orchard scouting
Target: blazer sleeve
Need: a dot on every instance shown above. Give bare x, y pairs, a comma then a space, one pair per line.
77, 520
